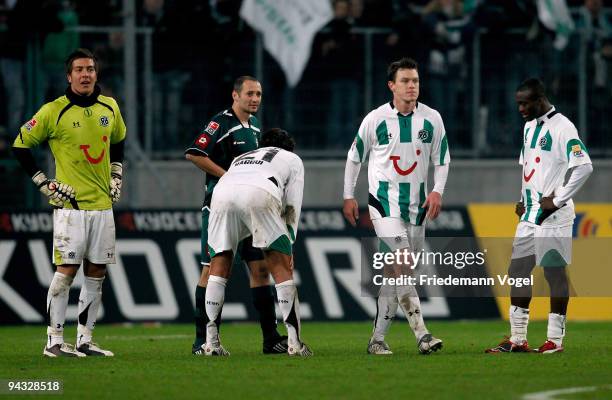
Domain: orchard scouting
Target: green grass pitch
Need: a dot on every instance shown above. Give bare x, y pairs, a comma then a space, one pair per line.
155, 362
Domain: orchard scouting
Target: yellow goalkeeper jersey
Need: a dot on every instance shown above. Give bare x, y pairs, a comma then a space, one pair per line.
79, 134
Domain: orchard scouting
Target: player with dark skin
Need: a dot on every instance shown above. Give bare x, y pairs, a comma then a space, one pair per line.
531, 106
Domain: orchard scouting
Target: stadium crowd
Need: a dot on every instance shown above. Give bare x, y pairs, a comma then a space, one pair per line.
199, 46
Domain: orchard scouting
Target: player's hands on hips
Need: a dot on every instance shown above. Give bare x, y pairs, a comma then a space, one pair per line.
56, 191
433, 204
546, 204
519, 209
350, 209
116, 180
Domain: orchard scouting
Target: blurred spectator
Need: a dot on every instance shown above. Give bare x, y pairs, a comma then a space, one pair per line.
178, 29
407, 39
372, 13
341, 62
20, 17
110, 64
356, 8
55, 48
597, 31
503, 67
99, 12
446, 25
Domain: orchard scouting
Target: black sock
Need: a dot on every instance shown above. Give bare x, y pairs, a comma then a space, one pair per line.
263, 300
201, 319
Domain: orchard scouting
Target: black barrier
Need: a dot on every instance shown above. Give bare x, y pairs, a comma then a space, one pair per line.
158, 268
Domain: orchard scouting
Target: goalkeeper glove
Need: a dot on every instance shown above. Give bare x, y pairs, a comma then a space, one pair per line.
115, 182
57, 192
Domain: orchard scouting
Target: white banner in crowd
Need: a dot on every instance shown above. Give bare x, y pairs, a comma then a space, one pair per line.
288, 28
555, 15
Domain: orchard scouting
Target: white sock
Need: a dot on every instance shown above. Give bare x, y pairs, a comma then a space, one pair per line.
89, 303
57, 301
519, 319
290, 308
215, 296
386, 308
556, 328
411, 305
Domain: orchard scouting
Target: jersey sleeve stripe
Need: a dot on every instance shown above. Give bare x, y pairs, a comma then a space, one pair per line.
443, 149
191, 150
359, 146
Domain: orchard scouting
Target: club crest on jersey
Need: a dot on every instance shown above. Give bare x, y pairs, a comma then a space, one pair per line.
543, 141
212, 127
104, 121
423, 135
203, 141
30, 124
577, 150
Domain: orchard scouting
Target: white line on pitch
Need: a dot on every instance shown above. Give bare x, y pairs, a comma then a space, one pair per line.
551, 394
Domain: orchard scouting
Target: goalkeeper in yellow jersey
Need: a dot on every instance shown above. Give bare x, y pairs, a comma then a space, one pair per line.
86, 134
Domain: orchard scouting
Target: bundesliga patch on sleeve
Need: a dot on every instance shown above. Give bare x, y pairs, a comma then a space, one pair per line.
212, 127
577, 150
203, 141
30, 124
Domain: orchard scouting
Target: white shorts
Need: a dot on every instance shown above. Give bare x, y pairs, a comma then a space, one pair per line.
547, 243
399, 234
239, 211
83, 234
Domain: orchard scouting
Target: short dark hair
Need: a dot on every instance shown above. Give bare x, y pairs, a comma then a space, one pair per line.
535, 86
277, 137
80, 53
404, 63
240, 81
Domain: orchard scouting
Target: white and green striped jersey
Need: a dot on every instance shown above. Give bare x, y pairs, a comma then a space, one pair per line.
551, 146
400, 148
